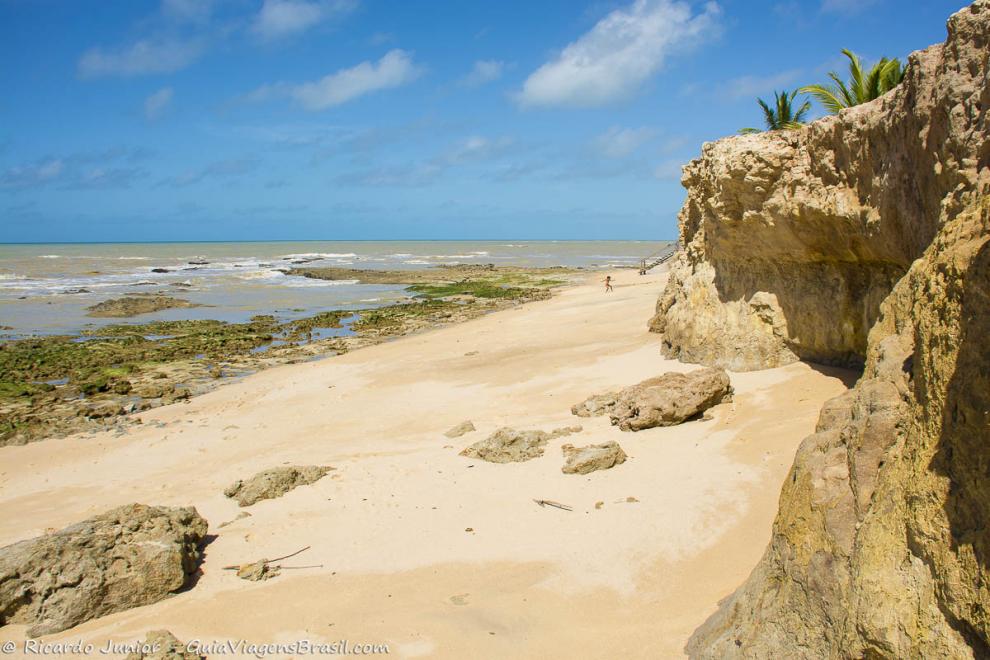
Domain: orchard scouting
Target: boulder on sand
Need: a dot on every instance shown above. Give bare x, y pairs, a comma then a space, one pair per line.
274, 482
582, 460
593, 406
130, 556
461, 429
507, 445
662, 401
163, 645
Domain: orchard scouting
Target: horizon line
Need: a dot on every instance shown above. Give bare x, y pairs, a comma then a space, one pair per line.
346, 240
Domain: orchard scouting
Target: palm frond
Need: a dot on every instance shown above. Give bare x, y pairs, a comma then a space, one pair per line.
862, 85
828, 95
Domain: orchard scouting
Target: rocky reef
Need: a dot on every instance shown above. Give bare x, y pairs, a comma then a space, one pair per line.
133, 305
860, 239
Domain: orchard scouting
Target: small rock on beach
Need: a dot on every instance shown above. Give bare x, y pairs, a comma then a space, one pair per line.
582, 460
274, 482
461, 429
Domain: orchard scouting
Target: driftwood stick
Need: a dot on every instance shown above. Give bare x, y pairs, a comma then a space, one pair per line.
237, 567
297, 552
298, 567
557, 505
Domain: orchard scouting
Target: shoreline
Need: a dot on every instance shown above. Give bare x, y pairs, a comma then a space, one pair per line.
62, 400
388, 524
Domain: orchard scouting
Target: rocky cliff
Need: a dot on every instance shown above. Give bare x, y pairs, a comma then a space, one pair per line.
860, 239
794, 238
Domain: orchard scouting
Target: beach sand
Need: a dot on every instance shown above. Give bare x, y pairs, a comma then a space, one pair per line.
632, 578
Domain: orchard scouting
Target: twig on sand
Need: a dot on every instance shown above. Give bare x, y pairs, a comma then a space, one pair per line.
238, 567
297, 552
557, 505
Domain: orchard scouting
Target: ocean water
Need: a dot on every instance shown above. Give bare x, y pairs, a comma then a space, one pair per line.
46, 288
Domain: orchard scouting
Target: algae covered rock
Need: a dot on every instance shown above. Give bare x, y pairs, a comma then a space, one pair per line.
134, 305
274, 482
130, 556
582, 460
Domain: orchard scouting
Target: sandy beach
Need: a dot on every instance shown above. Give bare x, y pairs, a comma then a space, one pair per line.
682, 522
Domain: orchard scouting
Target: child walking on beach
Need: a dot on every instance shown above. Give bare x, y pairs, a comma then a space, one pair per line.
608, 283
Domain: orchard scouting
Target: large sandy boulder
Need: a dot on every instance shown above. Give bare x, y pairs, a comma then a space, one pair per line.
662, 401
275, 482
871, 230
131, 556
582, 460
670, 399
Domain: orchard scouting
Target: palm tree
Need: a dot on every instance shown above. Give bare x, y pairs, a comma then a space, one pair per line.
782, 116
862, 86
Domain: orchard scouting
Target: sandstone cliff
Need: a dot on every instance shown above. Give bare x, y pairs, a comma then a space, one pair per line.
862, 238
794, 238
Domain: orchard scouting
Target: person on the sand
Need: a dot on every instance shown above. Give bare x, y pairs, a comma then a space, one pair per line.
608, 283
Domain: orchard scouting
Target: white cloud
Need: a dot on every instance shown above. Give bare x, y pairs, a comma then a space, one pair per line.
156, 104
282, 18
36, 174
394, 69
669, 170
477, 147
484, 71
196, 11
618, 54
619, 142
147, 56
381, 38
753, 86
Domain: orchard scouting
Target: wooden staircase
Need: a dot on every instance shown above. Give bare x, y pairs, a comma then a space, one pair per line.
660, 256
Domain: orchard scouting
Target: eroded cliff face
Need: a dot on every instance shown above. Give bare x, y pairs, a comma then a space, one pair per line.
834, 213
865, 236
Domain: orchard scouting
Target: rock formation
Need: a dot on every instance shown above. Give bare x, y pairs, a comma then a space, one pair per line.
507, 445
862, 237
662, 401
460, 429
131, 556
582, 460
274, 482
163, 645
794, 238
134, 305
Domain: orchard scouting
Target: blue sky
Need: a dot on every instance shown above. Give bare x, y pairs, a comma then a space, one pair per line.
374, 119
